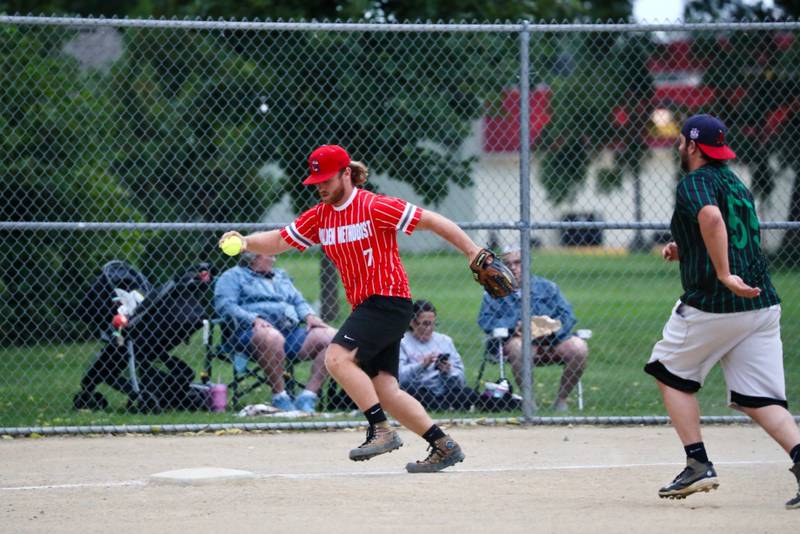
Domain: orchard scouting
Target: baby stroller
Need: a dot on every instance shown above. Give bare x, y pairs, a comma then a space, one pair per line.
135, 359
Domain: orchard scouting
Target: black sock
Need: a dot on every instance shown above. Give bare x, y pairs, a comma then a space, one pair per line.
433, 434
697, 451
795, 453
375, 415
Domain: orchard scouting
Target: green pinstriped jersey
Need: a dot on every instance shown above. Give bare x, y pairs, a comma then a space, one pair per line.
717, 185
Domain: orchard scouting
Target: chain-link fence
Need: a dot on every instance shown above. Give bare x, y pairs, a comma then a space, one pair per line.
129, 146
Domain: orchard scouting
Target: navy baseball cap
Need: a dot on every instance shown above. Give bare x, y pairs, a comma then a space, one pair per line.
709, 134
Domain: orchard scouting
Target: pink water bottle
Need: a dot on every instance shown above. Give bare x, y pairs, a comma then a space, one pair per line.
219, 397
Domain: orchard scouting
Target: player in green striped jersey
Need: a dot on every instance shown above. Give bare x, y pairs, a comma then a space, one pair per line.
729, 311
716, 187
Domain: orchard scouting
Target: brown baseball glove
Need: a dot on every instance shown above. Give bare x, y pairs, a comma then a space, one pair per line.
492, 274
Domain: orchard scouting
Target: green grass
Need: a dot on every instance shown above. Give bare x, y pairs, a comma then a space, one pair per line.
624, 300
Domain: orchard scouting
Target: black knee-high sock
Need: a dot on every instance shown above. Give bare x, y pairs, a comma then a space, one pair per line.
697, 451
375, 415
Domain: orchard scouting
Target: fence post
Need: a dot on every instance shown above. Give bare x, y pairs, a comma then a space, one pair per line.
525, 217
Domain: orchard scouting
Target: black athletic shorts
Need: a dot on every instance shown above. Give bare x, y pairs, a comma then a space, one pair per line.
375, 328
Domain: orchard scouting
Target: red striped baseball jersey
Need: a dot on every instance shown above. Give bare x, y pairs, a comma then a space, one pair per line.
360, 237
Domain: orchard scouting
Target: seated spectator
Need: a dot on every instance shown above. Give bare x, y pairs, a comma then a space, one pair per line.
562, 347
431, 370
265, 310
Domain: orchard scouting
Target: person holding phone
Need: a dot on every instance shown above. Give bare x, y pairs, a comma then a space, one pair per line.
431, 370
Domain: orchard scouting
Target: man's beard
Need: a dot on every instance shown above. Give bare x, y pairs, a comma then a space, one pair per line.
333, 197
684, 160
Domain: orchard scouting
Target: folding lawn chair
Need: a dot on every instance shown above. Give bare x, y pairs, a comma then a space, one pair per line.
247, 375
494, 354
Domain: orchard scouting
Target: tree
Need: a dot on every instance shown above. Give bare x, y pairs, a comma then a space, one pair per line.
72, 7
191, 142
187, 104
51, 152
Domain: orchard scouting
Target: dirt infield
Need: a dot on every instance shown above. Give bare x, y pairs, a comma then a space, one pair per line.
515, 479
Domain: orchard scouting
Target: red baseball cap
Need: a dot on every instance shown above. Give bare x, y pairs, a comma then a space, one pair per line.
325, 162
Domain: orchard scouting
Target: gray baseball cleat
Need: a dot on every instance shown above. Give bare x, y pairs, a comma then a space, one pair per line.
794, 503
695, 477
444, 453
380, 439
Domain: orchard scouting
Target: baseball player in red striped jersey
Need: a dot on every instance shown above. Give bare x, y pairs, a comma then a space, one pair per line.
358, 231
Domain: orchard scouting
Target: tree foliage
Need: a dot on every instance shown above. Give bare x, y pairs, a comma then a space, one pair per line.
189, 140
215, 126
409, 71
51, 154
596, 77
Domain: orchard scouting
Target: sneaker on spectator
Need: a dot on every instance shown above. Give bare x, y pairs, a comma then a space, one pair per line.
283, 402
560, 405
306, 402
794, 503
444, 453
696, 476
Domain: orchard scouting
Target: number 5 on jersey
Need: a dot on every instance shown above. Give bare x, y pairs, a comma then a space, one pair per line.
742, 232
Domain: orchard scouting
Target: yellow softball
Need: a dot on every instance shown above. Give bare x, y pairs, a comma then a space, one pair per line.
231, 245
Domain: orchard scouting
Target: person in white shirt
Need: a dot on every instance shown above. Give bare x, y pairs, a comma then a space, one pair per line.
431, 370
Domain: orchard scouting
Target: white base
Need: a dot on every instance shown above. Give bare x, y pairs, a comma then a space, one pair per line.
200, 475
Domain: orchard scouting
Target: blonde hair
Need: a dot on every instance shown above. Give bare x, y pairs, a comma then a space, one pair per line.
358, 173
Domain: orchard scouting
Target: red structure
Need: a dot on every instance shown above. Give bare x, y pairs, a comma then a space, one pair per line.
677, 72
